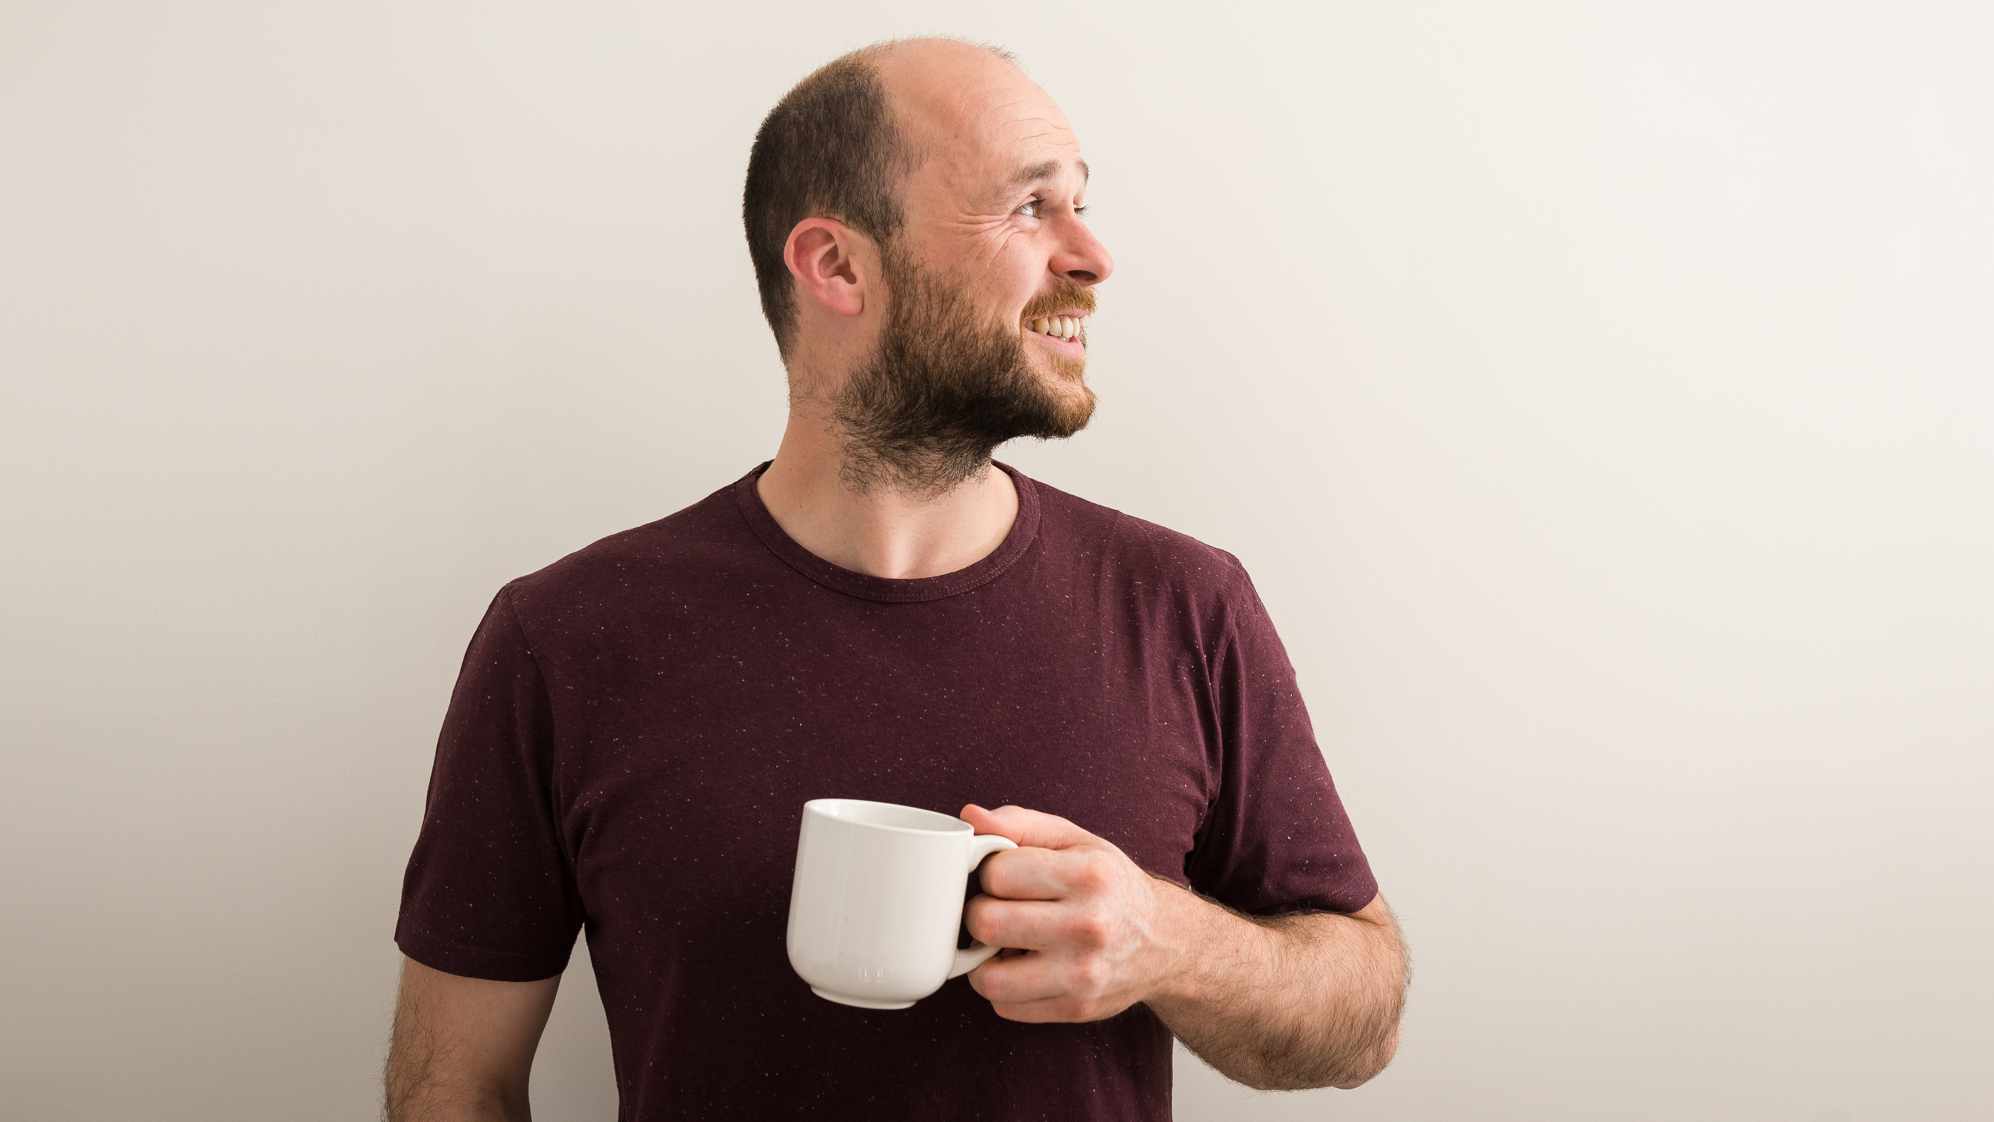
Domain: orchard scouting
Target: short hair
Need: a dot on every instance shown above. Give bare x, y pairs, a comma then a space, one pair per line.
830, 147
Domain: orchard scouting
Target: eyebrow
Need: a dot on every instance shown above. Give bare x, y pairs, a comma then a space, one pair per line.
1039, 172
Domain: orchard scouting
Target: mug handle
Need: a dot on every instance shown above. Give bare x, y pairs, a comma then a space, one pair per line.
975, 954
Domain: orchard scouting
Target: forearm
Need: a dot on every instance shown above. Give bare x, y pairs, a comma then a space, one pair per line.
1281, 1003
434, 1104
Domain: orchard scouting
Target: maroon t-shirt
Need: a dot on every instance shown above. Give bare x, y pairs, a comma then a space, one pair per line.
636, 727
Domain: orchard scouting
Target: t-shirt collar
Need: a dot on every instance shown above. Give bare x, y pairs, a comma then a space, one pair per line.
1023, 532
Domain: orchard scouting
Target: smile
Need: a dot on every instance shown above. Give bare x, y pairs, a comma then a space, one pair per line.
1074, 346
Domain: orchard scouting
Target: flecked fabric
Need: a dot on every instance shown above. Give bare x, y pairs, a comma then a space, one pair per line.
636, 727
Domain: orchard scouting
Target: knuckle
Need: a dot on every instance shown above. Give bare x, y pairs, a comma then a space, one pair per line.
976, 917
1106, 869
1091, 931
1090, 976
997, 878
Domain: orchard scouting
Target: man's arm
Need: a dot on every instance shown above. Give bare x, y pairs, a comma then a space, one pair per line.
1286, 1003
463, 1047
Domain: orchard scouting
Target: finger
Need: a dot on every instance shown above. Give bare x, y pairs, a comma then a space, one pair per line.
1026, 827
1018, 981
1023, 924
1047, 1012
1031, 873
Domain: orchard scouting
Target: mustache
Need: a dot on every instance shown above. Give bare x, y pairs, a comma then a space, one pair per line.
1080, 298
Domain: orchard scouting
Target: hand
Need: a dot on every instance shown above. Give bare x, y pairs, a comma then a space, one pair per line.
1096, 927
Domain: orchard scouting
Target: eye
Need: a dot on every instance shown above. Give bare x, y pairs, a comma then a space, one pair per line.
1036, 201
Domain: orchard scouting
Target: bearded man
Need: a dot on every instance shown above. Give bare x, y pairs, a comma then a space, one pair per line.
882, 611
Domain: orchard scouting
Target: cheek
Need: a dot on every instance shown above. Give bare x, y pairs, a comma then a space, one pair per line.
1003, 277
1009, 269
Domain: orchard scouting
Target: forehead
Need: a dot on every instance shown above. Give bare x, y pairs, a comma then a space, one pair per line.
991, 141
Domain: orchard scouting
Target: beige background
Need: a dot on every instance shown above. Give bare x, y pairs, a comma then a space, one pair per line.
1600, 397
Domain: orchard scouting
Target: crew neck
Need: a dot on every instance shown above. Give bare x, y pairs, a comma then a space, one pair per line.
1024, 530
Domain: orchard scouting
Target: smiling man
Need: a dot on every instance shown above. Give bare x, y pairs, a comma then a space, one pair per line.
921, 327
883, 611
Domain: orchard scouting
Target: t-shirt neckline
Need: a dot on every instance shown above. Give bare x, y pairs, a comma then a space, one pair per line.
1024, 530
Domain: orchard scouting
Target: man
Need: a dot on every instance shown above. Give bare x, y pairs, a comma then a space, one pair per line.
882, 611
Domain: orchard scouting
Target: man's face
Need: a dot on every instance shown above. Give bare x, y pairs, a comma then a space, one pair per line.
946, 383
956, 369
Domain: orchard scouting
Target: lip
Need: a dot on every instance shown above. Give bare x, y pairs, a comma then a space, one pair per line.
1075, 347
1078, 346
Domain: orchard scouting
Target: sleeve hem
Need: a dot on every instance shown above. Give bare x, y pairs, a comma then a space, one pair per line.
1336, 901
478, 962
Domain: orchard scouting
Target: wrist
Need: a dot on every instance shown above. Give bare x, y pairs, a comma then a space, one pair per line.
1191, 929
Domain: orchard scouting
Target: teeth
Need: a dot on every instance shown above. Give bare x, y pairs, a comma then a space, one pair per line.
1060, 327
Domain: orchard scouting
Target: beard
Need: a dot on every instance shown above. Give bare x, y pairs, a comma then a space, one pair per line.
941, 389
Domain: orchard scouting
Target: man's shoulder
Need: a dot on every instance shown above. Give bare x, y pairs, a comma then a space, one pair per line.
1148, 550
661, 557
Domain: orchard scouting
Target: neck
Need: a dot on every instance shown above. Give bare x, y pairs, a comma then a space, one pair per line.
880, 528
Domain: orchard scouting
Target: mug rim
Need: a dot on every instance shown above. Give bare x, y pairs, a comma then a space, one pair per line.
956, 825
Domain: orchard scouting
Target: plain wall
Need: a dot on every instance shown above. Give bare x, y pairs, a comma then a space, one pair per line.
1598, 393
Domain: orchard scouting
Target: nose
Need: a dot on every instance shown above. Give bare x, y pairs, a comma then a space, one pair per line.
1081, 257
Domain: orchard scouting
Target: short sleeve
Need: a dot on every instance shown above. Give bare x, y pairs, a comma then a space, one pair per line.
489, 891
1275, 836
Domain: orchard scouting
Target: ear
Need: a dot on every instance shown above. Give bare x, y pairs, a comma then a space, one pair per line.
832, 264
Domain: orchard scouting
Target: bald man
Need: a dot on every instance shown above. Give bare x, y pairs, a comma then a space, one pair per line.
882, 611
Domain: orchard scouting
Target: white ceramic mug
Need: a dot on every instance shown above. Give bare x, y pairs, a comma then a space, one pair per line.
878, 900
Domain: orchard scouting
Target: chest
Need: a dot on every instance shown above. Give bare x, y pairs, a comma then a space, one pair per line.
685, 771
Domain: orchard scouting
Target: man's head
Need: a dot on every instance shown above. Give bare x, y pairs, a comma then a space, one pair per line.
901, 258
